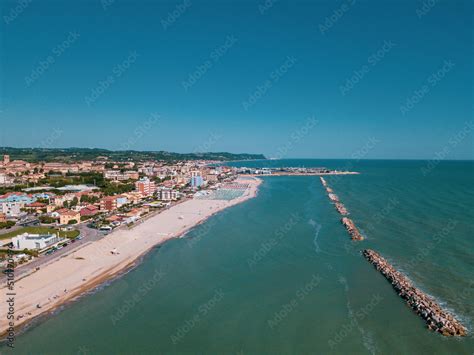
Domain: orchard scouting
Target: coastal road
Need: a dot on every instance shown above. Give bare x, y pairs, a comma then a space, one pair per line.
88, 234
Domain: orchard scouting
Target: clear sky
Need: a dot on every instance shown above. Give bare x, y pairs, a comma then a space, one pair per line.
323, 79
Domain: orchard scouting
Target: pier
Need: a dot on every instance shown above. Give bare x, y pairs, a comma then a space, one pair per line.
437, 319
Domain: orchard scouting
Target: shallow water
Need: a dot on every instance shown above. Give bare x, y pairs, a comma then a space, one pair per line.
279, 274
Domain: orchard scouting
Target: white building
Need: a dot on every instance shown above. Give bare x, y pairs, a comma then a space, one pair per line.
5, 179
11, 209
117, 175
35, 241
165, 194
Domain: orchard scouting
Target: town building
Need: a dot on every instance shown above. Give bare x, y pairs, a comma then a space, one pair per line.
145, 187
11, 209
35, 241
197, 181
5, 179
117, 175
133, 197
212, 177
36, 207
62, 168
65, 216
166, 194
17, 197
3, 217
108, 203
90, 210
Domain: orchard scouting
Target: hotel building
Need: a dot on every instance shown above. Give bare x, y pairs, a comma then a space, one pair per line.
145, 187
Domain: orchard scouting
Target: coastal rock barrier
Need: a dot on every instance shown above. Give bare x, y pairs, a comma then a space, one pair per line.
348, 223
334, 198
323, 181
352, 229
341, 209
437, 319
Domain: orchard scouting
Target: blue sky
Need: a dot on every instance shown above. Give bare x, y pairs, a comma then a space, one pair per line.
323, 79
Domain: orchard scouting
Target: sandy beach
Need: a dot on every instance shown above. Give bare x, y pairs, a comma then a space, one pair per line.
70, 276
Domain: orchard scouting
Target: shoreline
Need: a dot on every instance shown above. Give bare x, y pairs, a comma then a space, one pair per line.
80, 278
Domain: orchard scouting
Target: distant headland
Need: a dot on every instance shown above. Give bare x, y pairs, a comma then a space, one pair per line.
77, 154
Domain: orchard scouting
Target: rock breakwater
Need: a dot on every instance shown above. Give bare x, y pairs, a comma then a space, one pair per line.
341, 209
352, 229
437, 319
350, 226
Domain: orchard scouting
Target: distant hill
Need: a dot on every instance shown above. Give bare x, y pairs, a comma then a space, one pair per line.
75, 154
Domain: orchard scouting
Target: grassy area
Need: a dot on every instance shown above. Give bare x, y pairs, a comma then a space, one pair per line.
40, 230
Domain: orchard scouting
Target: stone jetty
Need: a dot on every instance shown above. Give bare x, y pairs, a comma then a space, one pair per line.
437, 319
350, 226
333, 197
352, 229
341, 209
323, 181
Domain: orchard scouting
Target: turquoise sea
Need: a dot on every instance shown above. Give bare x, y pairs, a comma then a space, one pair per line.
278, 274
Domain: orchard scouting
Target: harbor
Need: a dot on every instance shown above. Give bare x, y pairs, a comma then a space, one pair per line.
292, 171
